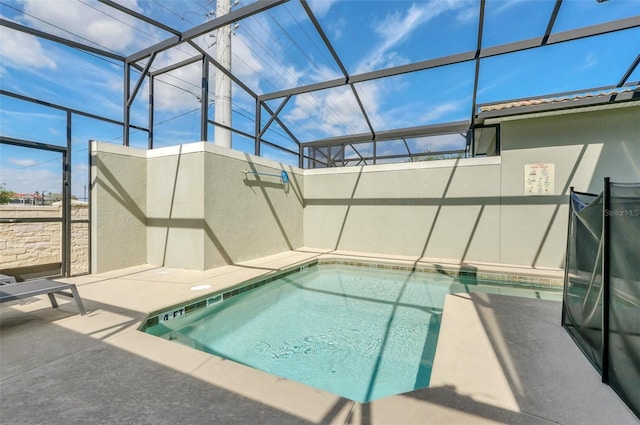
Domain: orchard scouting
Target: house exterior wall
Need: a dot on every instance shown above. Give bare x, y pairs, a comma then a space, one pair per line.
584, 147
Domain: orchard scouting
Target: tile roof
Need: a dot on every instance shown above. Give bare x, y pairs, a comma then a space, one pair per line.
603, 95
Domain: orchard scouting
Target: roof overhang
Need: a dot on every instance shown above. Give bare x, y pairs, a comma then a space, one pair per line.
561, 107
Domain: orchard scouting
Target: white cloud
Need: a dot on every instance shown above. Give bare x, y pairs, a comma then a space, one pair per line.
258, 58
37, 179
467, 14
503, 6
175, 91
61, 74
20, 50
101, 83
436, 112
23, 162
335, 112
396, 27
328, 113
183, 90
321, 7
173, 94
88, 21
336, 27
244, 63
372, 94
331, 112
590, 60
178, 90
79, 81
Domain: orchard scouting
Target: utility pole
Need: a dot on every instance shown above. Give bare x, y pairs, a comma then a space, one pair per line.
222, 136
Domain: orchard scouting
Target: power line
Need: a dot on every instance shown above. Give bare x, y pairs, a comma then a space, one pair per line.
60, 28
269, 50
314, 95
320, 50
295, 43
150, 35
119, 20
181, 17
208, 9
169, 10
248, 115
311, 60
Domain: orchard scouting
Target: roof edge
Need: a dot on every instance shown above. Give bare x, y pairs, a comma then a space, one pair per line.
546, 107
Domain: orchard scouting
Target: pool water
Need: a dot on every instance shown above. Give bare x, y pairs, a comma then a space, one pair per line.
361, 333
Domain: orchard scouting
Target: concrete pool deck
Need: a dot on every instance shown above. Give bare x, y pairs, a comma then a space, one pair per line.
499, 359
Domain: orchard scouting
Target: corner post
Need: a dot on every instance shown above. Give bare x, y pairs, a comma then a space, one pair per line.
606, 221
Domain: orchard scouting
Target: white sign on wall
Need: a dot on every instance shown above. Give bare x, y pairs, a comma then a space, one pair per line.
539, 179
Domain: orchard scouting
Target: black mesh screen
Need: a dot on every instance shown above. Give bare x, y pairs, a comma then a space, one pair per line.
589, 247
624, 303
583, 296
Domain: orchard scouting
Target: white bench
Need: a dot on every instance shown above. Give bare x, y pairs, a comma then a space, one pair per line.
31, 288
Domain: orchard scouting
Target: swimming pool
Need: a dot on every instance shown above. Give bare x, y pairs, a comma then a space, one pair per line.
359, 332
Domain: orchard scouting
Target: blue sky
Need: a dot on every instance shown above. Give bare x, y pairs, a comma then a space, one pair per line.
279, 50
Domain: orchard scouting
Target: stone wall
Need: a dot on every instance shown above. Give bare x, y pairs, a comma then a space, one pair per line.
31, 244
79, 239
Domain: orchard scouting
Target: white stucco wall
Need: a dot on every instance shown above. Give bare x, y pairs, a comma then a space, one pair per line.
476, 211
118, 207
584, 147
249, 216
203, 212
435, 209
191, 206
175, 207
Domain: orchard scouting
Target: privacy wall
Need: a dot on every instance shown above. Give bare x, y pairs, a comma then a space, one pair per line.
197, 208
118, 207
448, 209
192, 206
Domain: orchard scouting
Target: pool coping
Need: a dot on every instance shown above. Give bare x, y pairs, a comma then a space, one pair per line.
525, 279
180, 309
221, 295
